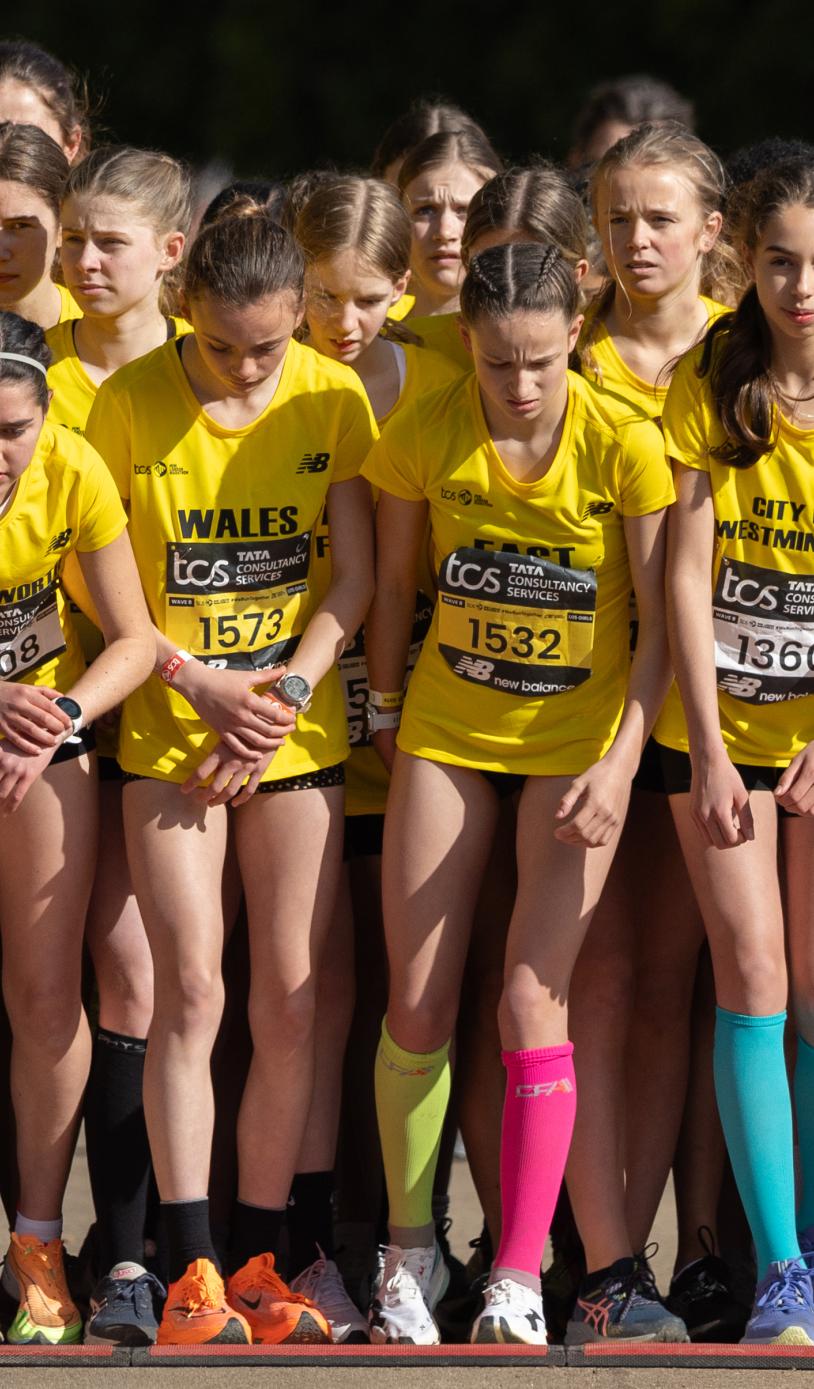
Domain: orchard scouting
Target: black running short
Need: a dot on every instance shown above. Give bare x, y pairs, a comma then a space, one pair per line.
75, 746
676, 770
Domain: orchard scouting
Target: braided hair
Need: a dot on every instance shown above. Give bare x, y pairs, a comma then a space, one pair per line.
521, 276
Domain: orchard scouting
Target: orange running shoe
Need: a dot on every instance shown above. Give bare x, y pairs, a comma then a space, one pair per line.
34, 1274
196, 1311
275, 1314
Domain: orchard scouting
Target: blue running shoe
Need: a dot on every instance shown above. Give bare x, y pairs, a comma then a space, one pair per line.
783, 1313
623, 1306
123, 1308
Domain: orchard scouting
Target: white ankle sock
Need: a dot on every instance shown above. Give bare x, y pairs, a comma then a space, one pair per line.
46, 1230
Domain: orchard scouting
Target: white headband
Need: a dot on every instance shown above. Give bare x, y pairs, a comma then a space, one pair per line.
29, 361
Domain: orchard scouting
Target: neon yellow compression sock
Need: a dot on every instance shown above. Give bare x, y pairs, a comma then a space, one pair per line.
412, 1093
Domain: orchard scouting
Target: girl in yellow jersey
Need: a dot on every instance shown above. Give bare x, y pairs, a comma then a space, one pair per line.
37, 89
544, 498
739, 759
425, 116
225, 445
355, 236
437, 182
657, 197
532, 204
56, 496
33, 173
125, 214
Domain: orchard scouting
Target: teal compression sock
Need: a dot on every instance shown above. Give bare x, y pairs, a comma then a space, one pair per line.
804, 1109
755, 1107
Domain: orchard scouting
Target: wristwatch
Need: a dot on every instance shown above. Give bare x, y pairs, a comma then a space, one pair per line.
74, 711
293, 691
377, 719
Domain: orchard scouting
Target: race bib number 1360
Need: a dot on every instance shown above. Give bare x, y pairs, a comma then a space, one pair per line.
516, 623
764, 633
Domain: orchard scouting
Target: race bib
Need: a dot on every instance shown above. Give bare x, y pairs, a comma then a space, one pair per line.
235, 605
30, 634
516, 623
353, 671
764, 633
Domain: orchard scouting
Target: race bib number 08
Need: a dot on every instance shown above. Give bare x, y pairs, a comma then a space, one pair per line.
764, 633
516, 623
235, 604
30, 634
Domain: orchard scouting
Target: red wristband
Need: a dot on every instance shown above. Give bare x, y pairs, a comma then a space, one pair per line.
171, 667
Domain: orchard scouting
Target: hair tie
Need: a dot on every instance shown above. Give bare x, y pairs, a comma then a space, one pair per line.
29, 361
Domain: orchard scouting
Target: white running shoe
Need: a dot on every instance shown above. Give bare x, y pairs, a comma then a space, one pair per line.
512, 1314
408, 1288
322, 1282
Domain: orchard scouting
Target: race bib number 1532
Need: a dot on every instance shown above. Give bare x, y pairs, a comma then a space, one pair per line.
516, 623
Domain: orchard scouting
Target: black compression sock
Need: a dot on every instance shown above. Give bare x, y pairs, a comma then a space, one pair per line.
255, 1230
188, 1235
117, 1146
310, 1219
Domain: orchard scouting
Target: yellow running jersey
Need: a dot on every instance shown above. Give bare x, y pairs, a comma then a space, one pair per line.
602, 364
525, 668
73, 395
440, 333
366, 777
65, 500
70, 309
762, 589
74, 391
222, 523
401, 308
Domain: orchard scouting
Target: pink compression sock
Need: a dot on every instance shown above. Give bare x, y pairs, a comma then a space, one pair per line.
538, 1120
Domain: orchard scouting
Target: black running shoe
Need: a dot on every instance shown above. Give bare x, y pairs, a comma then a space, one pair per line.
702, 1297
123, 1308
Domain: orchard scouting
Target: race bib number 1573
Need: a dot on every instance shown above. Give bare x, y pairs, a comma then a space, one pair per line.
516, 623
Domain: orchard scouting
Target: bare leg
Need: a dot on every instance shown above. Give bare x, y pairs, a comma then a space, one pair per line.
47, 851
290, 847
176, 851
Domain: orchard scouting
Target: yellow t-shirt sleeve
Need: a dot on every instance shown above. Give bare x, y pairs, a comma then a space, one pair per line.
685, 418
393, 463
357, 436
643, 478
109, 431
102, 515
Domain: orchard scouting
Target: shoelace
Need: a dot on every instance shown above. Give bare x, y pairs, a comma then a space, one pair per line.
505, 1291
138, 1292
791, 1288
202, 1290
403, 1278
263, 1274
325, 1281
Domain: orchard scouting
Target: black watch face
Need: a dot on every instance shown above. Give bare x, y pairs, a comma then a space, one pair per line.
296, 687
69, 706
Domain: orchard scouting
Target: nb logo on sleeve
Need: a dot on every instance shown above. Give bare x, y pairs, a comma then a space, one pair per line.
313, 463
475, 669
548, 1087
59, 541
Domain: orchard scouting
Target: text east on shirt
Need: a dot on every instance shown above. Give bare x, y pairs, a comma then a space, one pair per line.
526, 665
222, 523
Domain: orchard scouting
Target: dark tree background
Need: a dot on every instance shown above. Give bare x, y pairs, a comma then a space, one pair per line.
266, 87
